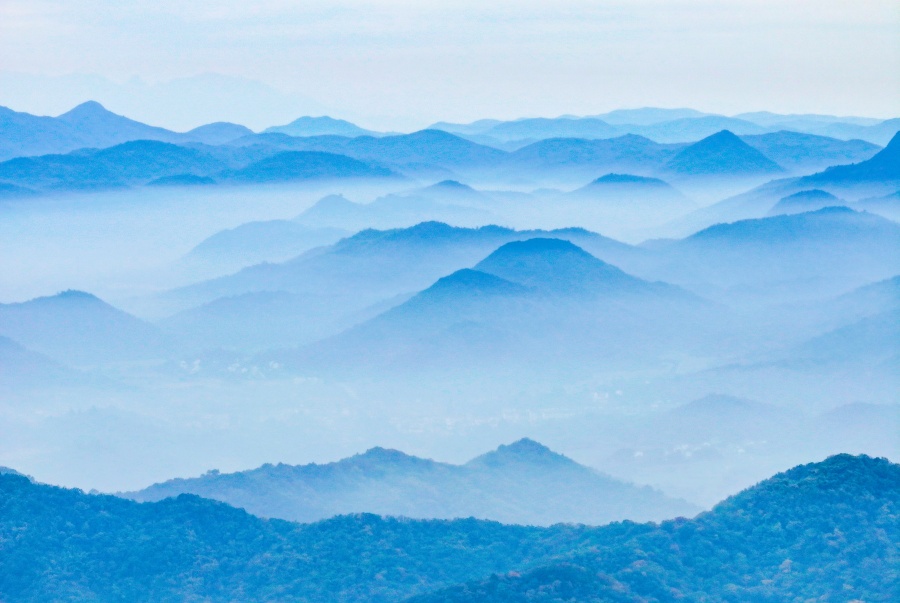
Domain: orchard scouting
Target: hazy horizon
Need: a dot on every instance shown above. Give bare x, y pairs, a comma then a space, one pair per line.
390, 66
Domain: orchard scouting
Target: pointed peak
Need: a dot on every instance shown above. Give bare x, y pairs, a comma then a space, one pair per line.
722, 153
522, 452
724, 135
87, 109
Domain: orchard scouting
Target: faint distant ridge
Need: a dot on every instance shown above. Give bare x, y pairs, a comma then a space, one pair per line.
561, 127
721, 154
647, 116
320, 126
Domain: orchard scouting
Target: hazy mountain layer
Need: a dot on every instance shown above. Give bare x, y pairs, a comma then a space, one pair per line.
372, 267
540, 303
522, 483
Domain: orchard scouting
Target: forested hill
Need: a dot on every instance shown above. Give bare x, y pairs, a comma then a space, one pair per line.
828, 530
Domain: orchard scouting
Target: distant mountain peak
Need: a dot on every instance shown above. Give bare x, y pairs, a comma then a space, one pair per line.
720, 154
522, 452
551, 264
453, 185
86, 108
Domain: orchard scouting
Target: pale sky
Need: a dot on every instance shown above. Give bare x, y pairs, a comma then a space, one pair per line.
402, 65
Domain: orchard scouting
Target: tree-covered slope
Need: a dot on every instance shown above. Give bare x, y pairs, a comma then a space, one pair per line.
825, 531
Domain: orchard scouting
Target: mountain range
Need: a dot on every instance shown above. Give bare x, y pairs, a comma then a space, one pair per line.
807, 533
521, 483
375, 265
90, 125
90, 147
